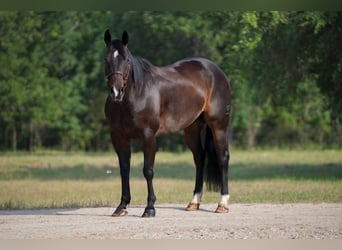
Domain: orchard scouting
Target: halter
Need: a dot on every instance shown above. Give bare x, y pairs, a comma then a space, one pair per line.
124, 76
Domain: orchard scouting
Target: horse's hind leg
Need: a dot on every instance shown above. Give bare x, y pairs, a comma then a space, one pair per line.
192, 135
222, 150
217, 116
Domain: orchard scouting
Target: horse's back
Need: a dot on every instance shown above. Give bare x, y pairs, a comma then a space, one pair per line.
209, 70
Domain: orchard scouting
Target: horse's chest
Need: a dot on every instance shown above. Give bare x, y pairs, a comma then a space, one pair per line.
132, 124
122, 119
119, 120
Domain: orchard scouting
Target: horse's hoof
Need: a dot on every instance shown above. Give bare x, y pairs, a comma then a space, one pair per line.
149, 213
221, 209
192, 206
120, 213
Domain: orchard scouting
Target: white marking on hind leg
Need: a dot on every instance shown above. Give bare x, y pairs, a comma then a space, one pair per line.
197, 198
224, 200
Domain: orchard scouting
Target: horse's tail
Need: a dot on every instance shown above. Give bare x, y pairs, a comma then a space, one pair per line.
212, 172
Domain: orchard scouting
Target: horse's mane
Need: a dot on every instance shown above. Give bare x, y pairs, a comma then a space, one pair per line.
141, 67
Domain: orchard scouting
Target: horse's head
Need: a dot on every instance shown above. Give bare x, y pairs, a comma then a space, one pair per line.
117, 65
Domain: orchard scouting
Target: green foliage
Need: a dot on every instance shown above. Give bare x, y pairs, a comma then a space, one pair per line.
285, 70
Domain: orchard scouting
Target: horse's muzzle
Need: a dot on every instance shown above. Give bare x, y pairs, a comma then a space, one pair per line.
117, 94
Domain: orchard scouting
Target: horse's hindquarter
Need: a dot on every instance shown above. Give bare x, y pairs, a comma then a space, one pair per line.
219, 103
184, 93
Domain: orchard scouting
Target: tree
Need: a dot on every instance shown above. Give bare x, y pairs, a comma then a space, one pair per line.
43, 79
293, 58
285, 70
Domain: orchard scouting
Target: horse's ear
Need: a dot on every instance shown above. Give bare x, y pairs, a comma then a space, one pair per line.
107, 37
124, 39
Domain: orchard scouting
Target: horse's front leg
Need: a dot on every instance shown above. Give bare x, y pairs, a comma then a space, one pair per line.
123, 151
149, 145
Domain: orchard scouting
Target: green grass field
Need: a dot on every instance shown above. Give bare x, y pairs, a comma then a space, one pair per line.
57, 179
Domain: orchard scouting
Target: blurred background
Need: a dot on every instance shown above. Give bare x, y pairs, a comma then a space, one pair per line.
285, 69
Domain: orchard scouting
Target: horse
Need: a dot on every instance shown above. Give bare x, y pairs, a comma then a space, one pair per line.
146, 101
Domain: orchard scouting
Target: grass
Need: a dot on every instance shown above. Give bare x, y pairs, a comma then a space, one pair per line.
57, 179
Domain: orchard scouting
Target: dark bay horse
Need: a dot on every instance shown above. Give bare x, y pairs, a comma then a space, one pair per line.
145, 101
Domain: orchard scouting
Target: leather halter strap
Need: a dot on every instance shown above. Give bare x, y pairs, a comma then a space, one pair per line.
124, 76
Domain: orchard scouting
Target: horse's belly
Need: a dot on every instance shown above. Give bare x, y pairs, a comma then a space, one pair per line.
181, 103
176, 119
170, 126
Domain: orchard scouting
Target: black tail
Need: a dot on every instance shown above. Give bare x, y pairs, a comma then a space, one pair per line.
212, 172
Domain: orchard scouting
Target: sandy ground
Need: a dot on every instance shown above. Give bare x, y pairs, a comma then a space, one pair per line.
244, 221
